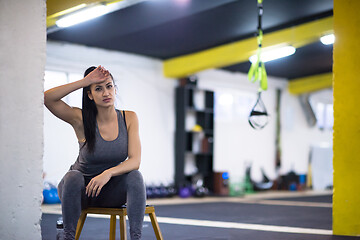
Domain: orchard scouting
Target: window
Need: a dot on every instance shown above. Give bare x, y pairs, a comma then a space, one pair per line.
233, 106
322, 106
55, 78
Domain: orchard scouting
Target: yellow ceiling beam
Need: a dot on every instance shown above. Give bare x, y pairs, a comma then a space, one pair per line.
310, 84
240, 51
57, 8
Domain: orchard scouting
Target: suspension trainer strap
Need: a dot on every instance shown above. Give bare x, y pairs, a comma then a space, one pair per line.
259, 110
257, 70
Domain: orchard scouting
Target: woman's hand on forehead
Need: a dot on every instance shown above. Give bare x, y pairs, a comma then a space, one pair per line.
98, 75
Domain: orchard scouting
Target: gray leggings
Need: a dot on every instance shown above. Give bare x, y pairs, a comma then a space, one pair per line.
126, 188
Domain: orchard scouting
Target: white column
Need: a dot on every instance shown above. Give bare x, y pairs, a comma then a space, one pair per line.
22, 62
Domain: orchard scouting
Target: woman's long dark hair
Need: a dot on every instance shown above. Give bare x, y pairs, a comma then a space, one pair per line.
89, 112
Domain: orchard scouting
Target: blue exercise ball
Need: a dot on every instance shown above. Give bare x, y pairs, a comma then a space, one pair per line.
51, 196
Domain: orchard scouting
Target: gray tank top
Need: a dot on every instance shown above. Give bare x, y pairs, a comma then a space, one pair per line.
107, 154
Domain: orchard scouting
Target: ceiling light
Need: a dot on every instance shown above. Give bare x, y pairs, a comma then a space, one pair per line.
182, 2
274, 54
82, 16
328, 39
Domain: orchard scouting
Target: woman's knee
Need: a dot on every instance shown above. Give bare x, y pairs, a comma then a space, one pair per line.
135, 178
74, 175
73, 179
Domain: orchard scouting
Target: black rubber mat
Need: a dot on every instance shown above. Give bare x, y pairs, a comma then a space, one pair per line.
306, 217
290, 216
320, 199
98, 229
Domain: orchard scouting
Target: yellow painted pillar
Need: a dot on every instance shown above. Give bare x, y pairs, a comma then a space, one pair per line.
346, 145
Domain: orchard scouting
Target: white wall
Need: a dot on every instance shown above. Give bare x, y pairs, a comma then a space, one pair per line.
22, 62
141, 88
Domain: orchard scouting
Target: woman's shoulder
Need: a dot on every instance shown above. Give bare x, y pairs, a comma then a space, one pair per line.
127, 112
130, 116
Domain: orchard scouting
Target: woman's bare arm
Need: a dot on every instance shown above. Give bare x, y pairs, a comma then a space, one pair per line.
52, 97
